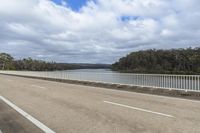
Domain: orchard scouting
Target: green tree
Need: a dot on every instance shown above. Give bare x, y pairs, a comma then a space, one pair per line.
179, 61
6, 61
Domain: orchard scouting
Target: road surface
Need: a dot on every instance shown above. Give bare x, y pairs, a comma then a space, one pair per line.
69, 108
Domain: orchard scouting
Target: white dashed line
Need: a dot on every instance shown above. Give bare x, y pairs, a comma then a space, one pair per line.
37, 86
152, 95
9, 80
139, 109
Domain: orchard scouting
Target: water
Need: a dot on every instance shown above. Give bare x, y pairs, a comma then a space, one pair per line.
96, 75
184, 82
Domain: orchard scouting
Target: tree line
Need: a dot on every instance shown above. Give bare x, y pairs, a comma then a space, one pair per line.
7, 62
173, 61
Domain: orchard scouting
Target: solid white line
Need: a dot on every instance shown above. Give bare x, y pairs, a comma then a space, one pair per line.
38, 86
27, 116
139, 109
1, 131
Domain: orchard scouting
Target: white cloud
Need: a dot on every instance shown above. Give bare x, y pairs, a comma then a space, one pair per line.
97, 33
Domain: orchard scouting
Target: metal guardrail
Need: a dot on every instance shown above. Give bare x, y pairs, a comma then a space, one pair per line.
165, 81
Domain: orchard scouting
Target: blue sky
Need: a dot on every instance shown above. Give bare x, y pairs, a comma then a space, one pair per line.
73, 4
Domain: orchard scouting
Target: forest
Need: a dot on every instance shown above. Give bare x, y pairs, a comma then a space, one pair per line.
172, 61
7, 62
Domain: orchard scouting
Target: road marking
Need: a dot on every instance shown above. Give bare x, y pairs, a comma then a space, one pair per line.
37, 86
27, 116
151, 95
139, 109
1, 131
9, 80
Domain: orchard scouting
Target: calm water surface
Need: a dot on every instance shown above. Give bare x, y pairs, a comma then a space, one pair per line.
97, 75
109, 76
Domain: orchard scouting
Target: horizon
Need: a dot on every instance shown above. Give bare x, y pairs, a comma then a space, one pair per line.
98, 63
96, 31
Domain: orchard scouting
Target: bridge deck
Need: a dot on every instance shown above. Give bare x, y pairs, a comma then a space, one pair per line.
69, 108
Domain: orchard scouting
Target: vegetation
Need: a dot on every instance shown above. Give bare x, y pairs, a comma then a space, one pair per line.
7, 62
176, 61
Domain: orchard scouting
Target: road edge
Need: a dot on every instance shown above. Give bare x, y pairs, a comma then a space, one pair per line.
146, 90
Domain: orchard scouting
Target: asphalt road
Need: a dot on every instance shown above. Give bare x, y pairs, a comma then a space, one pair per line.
11, 121
68, 108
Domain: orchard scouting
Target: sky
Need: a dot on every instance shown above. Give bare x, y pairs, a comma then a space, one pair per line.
96, 31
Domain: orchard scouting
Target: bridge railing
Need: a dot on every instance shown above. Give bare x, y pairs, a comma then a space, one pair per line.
165, 81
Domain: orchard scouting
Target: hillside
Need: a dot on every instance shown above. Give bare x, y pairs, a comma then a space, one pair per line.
176, 61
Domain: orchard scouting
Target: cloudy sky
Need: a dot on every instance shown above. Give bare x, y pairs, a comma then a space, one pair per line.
96, 31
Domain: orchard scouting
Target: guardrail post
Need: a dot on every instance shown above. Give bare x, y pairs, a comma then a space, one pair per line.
198, 83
